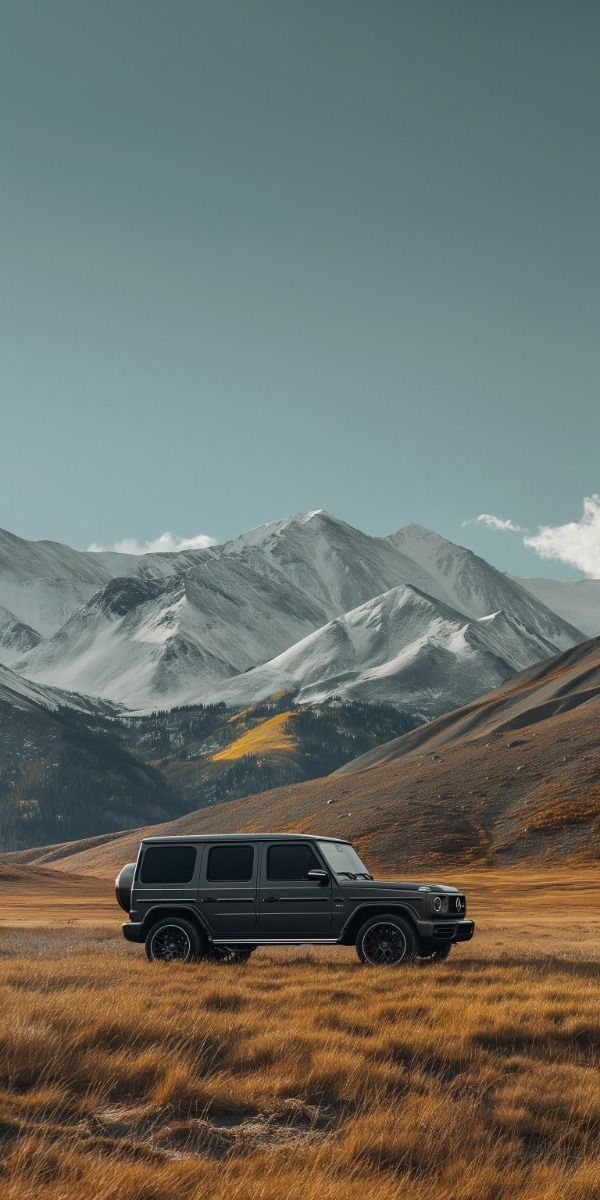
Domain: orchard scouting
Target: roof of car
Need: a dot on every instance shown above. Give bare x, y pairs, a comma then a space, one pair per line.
242, 837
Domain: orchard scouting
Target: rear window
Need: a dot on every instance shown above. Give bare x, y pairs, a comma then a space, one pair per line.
168, 864
292, 860
231, 863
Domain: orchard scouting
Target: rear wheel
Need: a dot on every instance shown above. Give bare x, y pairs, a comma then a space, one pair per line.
434, 953
174, 940
386, 941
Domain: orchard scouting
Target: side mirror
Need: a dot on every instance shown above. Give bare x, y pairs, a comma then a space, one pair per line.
319, 876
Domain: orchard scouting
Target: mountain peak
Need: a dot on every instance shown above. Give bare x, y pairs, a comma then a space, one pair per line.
316, 519
408, 534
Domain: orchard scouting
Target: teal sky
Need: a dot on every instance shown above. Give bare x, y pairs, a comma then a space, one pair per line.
261, 256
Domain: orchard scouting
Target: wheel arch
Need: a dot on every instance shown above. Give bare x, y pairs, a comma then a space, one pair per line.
160, 912
363, 913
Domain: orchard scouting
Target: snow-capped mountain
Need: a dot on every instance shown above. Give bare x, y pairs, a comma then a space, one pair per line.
23, 694
43, 583
402, 643
575, 600
158, 643
469, 584
16, 638
307, 602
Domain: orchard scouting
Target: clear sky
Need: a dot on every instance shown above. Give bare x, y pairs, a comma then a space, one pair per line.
261, 256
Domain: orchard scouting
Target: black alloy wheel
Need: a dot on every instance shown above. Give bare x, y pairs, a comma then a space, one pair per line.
386, 941
173, 940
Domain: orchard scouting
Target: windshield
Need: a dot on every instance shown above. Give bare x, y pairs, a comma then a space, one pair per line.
343, 860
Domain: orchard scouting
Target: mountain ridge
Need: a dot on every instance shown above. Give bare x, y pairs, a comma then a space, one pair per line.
204, 625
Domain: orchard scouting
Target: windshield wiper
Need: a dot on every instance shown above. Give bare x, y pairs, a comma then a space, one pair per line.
348, 873
364, 875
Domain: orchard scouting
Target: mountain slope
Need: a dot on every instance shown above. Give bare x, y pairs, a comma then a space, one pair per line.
150, 642
469, 584
210, 754
401, 644
43, 583
575, 600
16, 690
216, 624
63, 768
16, 638
549, 689
512, 777
74, 767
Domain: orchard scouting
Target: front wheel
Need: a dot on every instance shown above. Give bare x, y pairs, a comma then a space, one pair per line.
386, 941
174, 940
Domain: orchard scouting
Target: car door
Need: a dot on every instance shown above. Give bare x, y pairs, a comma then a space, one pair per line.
227, 888
290, 904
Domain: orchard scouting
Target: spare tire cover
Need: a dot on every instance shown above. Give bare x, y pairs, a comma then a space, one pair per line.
123, 885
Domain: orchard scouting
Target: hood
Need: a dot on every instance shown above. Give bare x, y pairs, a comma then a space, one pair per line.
396, 885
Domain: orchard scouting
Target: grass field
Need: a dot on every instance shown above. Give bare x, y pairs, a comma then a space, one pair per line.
303, 1074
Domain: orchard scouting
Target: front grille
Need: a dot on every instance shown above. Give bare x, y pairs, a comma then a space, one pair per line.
457, 905
444, 931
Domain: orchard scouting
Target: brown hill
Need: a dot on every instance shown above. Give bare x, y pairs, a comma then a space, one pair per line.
37, 896
511, 778
548, 689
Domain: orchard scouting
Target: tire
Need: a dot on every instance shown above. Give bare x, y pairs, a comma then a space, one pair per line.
434, 954
174, 940
386, 940
228, 954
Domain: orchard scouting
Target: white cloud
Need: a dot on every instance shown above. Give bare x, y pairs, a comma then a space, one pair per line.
576, 543
502, 524
164, 543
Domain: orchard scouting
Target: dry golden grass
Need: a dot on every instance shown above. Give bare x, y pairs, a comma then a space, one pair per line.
304, 1075
269, 736
38, 897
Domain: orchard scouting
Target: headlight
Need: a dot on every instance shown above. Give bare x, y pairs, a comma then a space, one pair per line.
440, 904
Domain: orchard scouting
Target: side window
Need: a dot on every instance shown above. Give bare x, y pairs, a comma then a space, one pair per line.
230, 863
168, 864
291, 860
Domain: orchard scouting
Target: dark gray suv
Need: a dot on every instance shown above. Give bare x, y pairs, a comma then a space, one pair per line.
220, 897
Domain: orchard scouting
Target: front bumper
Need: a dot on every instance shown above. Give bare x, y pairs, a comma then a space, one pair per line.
446, 931
464, 930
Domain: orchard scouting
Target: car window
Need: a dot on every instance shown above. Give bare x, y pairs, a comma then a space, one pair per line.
291, 860
342, 858
233, 863
168, 864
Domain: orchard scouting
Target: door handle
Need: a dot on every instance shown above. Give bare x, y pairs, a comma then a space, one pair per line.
270, 899
208, 899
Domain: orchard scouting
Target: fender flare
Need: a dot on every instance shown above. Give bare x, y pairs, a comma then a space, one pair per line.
361, 913
166, 909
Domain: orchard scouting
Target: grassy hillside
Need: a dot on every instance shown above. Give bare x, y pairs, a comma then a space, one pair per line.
275, 735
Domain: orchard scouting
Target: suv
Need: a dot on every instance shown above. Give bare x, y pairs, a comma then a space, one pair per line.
220, 897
